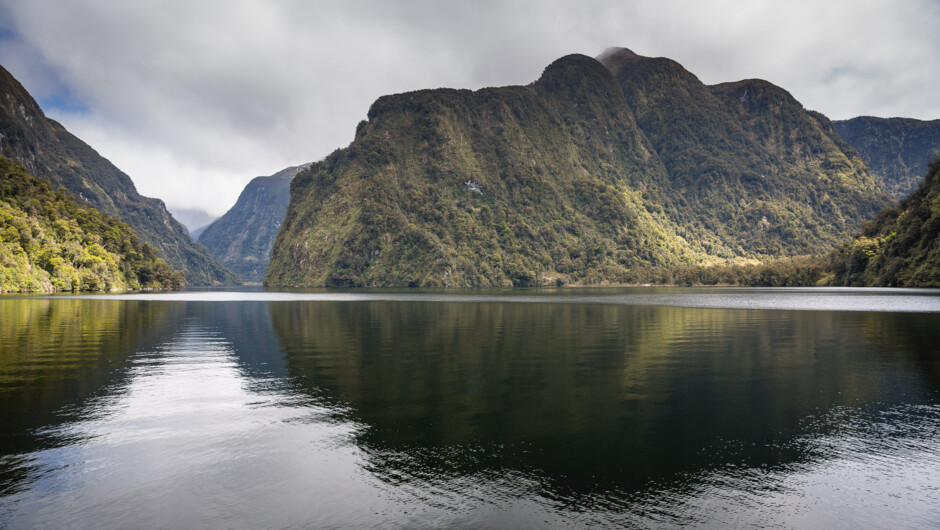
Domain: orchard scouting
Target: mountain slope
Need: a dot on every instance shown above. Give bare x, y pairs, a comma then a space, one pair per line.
505, 186
749, 162
49, 151
242, 238
48, 242
580, 177
900, 247
898, 150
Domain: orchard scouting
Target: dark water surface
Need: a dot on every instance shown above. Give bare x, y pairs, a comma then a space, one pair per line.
572, 408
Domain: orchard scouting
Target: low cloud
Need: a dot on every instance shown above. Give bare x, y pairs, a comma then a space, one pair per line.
193, 99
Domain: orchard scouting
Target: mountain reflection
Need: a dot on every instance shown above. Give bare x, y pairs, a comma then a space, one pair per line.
588, 397
56, 353
356, 413
55, 357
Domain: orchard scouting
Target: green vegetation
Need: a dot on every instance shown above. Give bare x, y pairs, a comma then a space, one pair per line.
783, 272
581, 177
897, 150
513, 186
48, 242
242, 238
750, 166
900, 247
50, 152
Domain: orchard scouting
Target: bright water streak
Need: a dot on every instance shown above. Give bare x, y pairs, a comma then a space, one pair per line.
793, 299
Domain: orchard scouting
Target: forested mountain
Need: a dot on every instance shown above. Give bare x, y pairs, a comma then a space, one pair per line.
48, 242
897, 150
748, 163
900, 247
50, 152
242, 238
595, 172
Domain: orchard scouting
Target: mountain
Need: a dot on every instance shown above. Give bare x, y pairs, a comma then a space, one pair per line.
197, 232
193, 219
898, 150
750, 164
48, 242
242, 238
50, 152
600, 171
900, 247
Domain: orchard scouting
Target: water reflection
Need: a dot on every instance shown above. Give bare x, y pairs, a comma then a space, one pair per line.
493, 414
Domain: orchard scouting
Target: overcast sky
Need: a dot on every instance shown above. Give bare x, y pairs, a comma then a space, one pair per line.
194, 98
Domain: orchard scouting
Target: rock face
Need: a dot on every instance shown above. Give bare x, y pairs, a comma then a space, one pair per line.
598, 171
897, 150
900, 247
242, 238
50, 152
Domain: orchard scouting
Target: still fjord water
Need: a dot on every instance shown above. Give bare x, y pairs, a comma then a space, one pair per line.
636, 407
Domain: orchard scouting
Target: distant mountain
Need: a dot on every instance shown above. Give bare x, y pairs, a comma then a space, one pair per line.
897, 150
197, 233
597, 172
193, 219
900, 247
50, 152
242, 238
48, 242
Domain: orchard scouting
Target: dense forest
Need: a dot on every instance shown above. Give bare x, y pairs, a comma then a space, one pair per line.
900, 247
608, 171
48, 242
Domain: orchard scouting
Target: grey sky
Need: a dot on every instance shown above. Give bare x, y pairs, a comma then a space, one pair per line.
193, 99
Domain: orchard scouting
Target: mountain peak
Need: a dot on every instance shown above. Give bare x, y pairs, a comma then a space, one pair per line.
614, 57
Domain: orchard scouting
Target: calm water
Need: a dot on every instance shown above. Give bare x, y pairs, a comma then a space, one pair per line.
638, 407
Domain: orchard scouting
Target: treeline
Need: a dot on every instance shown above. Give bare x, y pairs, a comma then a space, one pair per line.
784, 272
48, 243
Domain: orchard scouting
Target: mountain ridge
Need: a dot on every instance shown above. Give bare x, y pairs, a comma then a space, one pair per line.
589, 174
898, 150
49, 151
48, 243
242, 238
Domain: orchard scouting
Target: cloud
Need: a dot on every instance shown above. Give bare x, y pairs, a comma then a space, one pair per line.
193, 99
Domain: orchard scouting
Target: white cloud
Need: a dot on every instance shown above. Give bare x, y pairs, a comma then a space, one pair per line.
193, 99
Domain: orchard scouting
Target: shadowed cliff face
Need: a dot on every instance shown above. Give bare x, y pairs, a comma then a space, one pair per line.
50, 152
898, 150
242, 238
590, 174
